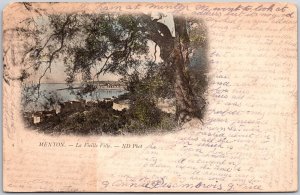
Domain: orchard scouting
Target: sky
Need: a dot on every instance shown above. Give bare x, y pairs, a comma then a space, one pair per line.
58, 75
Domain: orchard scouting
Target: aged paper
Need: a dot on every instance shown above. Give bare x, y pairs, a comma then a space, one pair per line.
246, 140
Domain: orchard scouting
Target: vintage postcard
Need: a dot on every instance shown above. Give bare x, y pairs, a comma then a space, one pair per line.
150, 97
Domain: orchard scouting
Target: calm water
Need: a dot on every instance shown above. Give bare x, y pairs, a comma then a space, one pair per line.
66, 94
60, 91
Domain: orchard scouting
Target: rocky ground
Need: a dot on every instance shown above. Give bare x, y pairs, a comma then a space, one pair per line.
106, 118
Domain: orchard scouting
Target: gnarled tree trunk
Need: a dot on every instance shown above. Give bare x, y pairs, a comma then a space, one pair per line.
174, 52
186, 102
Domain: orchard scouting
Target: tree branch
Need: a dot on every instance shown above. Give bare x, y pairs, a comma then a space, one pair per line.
51, 58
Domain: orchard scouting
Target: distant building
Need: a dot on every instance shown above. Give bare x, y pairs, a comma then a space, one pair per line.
110, 84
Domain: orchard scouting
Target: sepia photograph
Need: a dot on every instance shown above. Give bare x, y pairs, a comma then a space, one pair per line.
111, 73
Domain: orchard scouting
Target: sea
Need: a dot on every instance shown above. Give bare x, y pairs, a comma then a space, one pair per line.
62, 92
